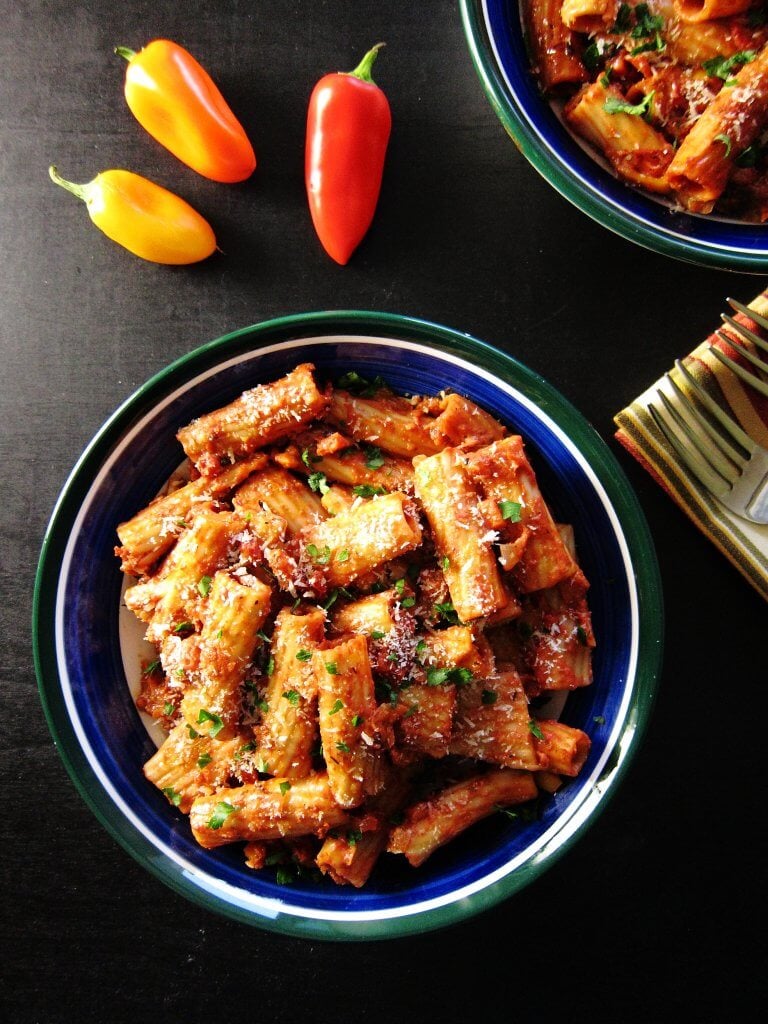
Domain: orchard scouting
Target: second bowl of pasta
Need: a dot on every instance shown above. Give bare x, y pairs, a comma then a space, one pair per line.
649, 117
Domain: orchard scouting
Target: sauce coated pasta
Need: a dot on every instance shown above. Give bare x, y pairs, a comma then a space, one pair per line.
356, 600
672, 93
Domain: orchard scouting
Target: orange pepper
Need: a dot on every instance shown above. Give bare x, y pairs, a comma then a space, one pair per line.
178, 103
143, 217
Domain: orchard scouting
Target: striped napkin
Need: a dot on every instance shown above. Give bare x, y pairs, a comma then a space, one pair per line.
744, 543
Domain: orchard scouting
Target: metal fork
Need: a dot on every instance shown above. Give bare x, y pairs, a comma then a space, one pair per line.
722, 457
760, 343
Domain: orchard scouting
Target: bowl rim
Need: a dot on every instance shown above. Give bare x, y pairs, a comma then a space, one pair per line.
623, 222
374, 324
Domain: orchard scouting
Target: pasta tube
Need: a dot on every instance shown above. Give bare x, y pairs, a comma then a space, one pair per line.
259, 417
732, 121
288, 731
272, 809
432, 823
461, 534
346, 706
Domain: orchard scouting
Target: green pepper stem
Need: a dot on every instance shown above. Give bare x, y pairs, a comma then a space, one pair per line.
125, 51
81, 191
363, 69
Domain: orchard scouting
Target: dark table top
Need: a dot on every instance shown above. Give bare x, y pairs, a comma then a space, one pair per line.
648, 917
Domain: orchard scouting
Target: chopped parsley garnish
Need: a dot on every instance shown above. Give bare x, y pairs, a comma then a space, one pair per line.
204, 586
646, 24
192, 733
655, 45
342, 747
356, 720
245, 749
308, 458
270, 666
533, 726
332, 669
284, 876
373, 456
151, 668
168, 708
581, 635
368, 490
318, 482
445, 563
616, 105
749, 156
489, 697
303, 655
334, 595
182, 627
172, 796
358, 385
439, 676
338, 704
203, 760
376, 634
216, 723
284, 786
343, 555
354, 836
321, 557
591, 56
448, 612
510, 510
220, 814
292, 696
623, 21
507, 812
599, 720
725, 141
721, 67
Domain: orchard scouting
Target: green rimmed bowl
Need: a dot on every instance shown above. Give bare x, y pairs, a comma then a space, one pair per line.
81, 651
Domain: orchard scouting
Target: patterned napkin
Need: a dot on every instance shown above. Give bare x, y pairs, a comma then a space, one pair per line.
744, 543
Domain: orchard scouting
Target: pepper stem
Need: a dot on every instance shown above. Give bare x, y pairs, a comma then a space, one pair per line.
363, 69
81, 191
125, 51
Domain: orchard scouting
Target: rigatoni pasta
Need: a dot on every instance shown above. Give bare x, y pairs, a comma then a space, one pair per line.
672, 93
357, 606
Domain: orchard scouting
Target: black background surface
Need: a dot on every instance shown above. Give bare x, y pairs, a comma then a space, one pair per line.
649, 918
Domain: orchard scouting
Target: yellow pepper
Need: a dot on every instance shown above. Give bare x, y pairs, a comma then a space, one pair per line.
143, 217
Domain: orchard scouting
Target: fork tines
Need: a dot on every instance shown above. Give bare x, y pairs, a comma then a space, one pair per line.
749, 335
703, 444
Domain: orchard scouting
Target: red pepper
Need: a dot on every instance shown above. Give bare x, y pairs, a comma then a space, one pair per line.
348, 126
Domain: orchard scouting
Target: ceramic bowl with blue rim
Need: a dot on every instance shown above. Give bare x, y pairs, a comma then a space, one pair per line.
494, 32
85, 655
